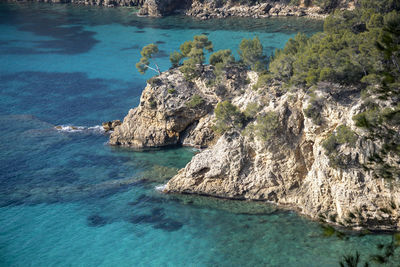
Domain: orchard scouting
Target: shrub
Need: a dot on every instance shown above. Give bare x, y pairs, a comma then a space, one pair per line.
171, 90
267, 125
252, 55
221, 60
175, 58
314, 109
251, 110
342, 136
148, 52
154, 81
228, 117
262, 81
369, 119
195, 101
193, 53
152, 103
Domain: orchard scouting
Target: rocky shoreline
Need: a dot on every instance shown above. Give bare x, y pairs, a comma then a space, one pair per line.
291, 169
105, 3
207, 9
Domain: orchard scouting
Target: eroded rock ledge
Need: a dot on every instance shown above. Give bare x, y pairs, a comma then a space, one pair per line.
291, 168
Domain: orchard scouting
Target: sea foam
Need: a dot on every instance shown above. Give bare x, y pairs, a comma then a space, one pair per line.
97, 129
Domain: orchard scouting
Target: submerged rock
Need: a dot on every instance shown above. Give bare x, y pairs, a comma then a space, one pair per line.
96, 221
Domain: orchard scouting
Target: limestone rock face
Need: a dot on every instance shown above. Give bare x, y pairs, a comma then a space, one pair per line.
159, 8
175, 111
163, 113
289, 166
292, 168
206, 9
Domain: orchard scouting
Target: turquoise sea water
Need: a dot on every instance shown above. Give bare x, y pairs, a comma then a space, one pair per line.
69, 199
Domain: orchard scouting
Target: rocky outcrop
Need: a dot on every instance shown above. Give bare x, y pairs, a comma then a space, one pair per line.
174, 111
107, 3
207, 10
159, 8
292, 168
110, 125
289, 167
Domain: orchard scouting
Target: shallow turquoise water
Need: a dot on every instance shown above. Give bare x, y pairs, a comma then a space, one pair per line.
69, 199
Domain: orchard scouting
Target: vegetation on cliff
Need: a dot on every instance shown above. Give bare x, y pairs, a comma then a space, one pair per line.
358, 49
320, 78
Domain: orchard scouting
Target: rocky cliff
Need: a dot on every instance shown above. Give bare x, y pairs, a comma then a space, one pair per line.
207, 9
106, 3
174, 111
290, 166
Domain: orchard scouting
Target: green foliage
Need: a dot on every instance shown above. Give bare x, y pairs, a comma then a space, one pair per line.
252, 55
190, 69
391, 116
193, 53
171, 90
359, 46
221, 60
267, 125
228, 117
152, 104
142, 65
221, 56
175, 58
281, 65
195, 101
154, 81
262, 81
375, 118
343, 135
186, 47
381, 6
251, 110
369, 119
327, 5
148, 52
314, 109
389, 44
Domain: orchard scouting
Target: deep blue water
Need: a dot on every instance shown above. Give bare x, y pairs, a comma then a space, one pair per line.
69, 199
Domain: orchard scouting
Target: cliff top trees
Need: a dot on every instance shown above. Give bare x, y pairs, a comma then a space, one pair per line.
148, 52
193, 53
251, 54
221, 60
